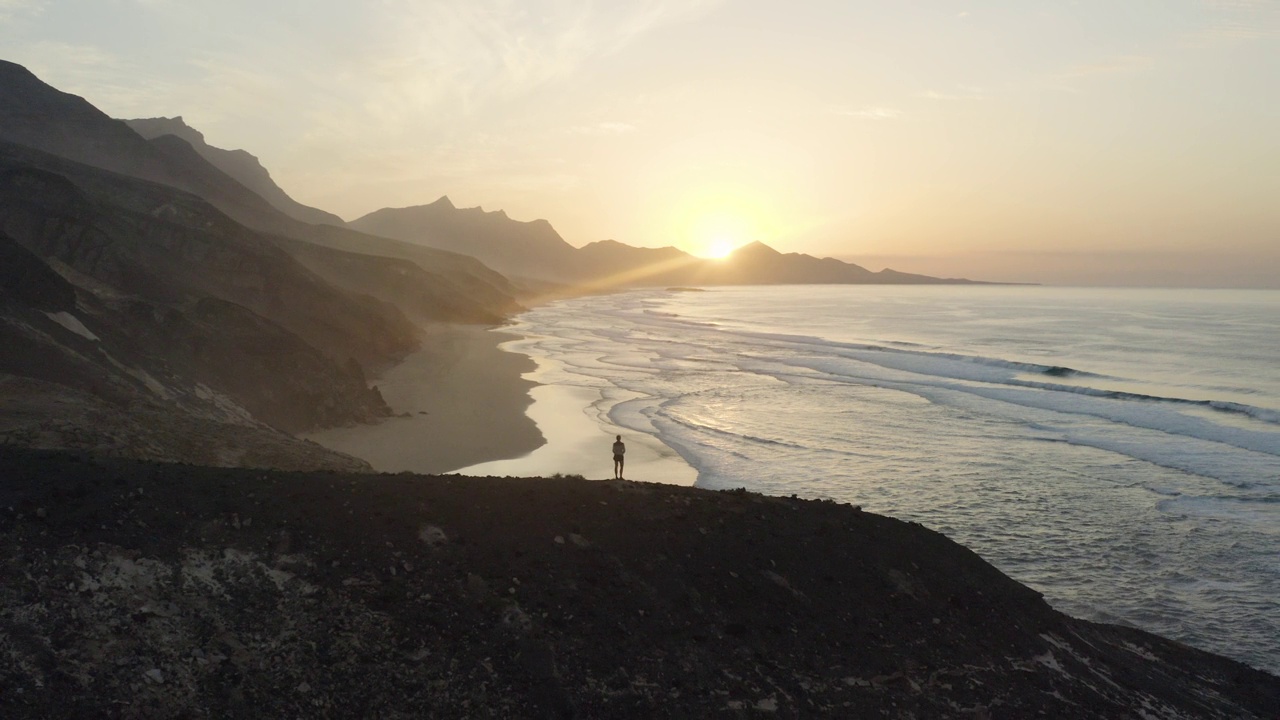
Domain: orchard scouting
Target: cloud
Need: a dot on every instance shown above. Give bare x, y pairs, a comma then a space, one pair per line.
1236, 21
962, 92
1123, 64
1229, 31
440, 68
477, 49
871, 113
1239, 4
605, 128
10, 9
107, 80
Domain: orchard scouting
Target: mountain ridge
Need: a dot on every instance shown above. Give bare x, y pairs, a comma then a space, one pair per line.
533, 250
513, 247
166, 311
241, 165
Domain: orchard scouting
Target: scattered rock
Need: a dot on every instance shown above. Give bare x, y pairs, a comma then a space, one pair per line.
432, 535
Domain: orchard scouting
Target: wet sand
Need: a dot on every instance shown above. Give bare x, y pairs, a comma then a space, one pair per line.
579, 443
460, 400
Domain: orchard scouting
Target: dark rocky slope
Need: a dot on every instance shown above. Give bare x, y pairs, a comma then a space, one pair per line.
87, 368
136, 424
142, 590
472, 288
135, 319
150, 241
35, 115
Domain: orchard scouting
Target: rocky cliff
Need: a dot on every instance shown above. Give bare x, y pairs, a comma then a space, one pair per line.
105, 389
152, 297
140, 590
131, 310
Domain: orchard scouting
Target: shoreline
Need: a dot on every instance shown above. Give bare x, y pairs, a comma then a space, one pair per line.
458, 401
470, 402
579, 444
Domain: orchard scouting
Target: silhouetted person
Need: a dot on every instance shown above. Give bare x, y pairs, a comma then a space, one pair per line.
619, 450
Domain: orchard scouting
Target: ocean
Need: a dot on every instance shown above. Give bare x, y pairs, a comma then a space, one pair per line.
1117, 450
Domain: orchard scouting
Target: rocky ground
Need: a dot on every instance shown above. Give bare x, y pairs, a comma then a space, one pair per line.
132, 589
45, 415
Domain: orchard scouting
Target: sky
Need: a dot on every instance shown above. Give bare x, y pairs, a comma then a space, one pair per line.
1076, 142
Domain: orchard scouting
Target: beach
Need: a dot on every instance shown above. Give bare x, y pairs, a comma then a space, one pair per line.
579, 439
458, 401
470, 402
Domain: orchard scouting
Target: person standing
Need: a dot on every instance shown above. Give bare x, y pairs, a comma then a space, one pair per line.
619, 450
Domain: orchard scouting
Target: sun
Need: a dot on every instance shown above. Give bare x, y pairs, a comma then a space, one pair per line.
713, 223
720, 248
715, 235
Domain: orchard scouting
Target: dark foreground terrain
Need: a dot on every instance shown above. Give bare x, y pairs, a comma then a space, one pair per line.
132, 589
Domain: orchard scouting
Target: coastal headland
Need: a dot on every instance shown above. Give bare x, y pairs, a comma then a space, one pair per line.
136, 589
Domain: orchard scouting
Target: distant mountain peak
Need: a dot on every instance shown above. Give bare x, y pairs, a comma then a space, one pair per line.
241, 165
12, 70
151, 128
445, 202
756, 246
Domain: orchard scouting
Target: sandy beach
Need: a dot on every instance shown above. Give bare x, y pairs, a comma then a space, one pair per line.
460, 400
465, 404
579, 442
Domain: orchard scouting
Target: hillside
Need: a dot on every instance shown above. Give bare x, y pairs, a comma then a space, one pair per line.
238, 164
139, 320
167, 591
192, 320
520, 249
35, 115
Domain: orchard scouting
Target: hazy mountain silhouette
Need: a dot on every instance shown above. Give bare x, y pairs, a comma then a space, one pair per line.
759, 264
36, 115
239, 164
522, 249
203, 318
535, 251
149, 323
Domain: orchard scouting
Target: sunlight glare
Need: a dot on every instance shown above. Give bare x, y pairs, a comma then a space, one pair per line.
715, 235
713, 220
721, 248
